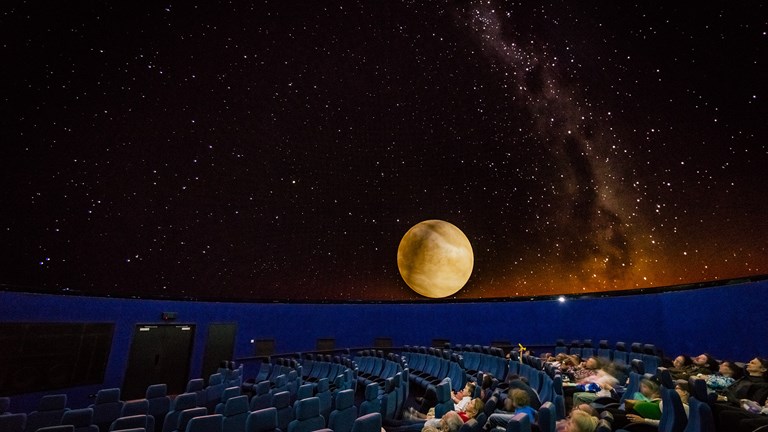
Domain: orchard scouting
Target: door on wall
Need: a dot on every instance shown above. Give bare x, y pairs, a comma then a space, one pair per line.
159, 354
219, 346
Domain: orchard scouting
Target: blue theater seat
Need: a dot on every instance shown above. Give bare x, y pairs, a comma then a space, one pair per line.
368, 423
159, 403
206, 423
264, 420
282, 401
49, 412
189, 414
343, 417
307, 416
135, 421
182, 402
13, 422
235, 413
262, 397
81, 419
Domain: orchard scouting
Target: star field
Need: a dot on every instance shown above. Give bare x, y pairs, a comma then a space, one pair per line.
280, 151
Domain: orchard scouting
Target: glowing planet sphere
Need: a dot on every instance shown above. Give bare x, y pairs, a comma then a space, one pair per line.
435, 258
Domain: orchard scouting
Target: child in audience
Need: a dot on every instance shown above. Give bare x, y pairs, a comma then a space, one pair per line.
581, 421
517, 402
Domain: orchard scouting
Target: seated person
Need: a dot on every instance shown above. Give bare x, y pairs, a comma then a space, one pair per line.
462, 397
581, 421
726, 375
563, 425
517, 402
648, 419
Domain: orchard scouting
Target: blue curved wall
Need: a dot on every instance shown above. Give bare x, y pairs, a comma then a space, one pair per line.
727, 321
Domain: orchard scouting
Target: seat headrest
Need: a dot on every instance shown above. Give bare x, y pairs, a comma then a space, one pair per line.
108, 395
262, 388
78, 417
236, 405
262, 420
345, 399
53, 402
307, 408
156, 391
322, 385
185, 401
371, 391
215, 379
281, 399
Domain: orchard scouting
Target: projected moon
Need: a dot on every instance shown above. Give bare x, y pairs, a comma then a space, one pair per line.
435, 258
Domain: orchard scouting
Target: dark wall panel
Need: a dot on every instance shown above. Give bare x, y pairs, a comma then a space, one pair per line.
47, 356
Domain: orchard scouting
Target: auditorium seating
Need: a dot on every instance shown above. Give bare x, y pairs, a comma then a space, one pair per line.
81, 419
49, 412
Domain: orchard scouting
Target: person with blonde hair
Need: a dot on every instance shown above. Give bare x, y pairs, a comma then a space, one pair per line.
581, 421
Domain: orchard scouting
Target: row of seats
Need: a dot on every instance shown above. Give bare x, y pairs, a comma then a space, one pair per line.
375, 368
428, 366
648, 353
101, 416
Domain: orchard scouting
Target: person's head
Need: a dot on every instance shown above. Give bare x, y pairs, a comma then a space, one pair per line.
581, 421
681, 361
681, 387
705, 360
469, 389
757, 366
649, 388
487, 381
730, 369
587, 408
429, 428
519, 398
474, 407
593, 363
450, 422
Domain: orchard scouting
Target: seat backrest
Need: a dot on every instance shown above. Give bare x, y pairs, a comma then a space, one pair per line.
673, 418
226, 395
189, 414
371, 404
159, 403
264, 420
13, 422
325, 396
235, 414
368, 423
343, 417
135, 421
106, 408
282, 401
182, 402
135, 407
206, 423
81, 419
49, 412
59, 428
444, 401
547, 417
700, 417
307, 416
519, 423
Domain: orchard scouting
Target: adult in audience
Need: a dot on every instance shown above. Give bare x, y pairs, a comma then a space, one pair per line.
726, 375
753, 386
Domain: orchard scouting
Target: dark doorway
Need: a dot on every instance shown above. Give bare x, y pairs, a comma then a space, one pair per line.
219, 346
159, 354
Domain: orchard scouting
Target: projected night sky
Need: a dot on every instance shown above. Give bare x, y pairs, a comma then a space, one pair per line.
281, 151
